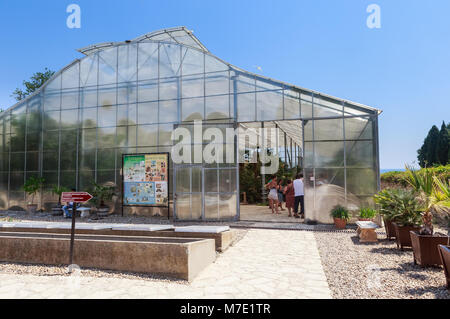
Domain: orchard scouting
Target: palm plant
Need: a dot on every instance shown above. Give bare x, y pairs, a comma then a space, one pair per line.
58, 190
340, 212
32, 186
102, 193
434, 194
400, 206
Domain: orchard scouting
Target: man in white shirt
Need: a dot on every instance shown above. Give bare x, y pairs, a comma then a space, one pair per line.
299, 191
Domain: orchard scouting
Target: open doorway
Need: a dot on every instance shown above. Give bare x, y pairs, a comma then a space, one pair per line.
284, 141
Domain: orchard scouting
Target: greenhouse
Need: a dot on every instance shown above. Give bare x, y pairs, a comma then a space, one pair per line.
128, 97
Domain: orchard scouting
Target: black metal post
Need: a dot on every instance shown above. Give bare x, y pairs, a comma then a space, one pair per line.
72, 233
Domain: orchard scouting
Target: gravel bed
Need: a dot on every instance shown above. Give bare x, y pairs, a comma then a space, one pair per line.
376, 270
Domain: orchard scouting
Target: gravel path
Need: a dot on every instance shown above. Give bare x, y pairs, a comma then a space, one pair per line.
376, 270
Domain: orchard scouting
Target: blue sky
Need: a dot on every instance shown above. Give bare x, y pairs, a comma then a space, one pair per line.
402, 68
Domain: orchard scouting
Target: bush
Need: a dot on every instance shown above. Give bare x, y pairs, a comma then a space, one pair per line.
397, 178
341, 212
400, 206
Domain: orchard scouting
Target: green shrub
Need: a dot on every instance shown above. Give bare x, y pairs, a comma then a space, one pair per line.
341, 212
367, 213
400, 206
400, 178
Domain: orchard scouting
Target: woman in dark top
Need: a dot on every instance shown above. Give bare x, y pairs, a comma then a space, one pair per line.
290, 196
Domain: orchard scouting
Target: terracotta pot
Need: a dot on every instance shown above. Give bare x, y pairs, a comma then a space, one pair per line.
390, 230
444, 252
340, 223
426, 248
403, 236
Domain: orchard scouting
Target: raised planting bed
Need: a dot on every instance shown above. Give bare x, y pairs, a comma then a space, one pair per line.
222, 237
426, 250
402, 235
182, 258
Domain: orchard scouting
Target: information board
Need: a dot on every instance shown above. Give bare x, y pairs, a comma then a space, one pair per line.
145, 179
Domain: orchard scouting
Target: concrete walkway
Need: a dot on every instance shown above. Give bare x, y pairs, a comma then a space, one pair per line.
264, 264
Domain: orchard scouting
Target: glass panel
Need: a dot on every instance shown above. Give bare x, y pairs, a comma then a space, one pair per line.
51, 120
169, 60
108, 66
18, 142
331, 129
329, 154
262, 85
127, 65
291, 105
148, 113
165, 133
88, 96
217, 83
192, 109
246, 107
89, 70
106, 177
127, 93
32, 161
87, 177
106, 158
107, 95
17, 161
88, 138
361, 181
87, 159
358, 128
71, 76
148, 91
68, 140
52, 100
148, 61
51, 140
169, 89
227, 205
359, 153
196, 206
51, 179
89, 117
183, 180
217, 107
106, 116
211, 206
69, 99
183, 206
147, 135
33, 141
50, 161
68, 160
212, 64
306, 108
107, 137
69, 119
192, 61
269, 105
16, 182
4, 161
193, 86
244, 83
211, 184
227, 180
168, 111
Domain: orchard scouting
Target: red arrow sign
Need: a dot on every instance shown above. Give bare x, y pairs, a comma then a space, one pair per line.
77, 197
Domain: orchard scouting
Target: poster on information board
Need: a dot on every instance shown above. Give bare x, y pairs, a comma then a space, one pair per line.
145, 179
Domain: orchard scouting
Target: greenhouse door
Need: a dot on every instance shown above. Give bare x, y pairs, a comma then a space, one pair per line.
189, 192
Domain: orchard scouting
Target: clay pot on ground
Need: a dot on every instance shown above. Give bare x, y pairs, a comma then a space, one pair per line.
403, 236
340, 223
444, 252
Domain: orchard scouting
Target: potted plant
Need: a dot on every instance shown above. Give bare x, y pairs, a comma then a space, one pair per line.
367, 214
406, 215
32, 186
444, 252
435, 196
58, 190
101, 194
340, 216
386, 200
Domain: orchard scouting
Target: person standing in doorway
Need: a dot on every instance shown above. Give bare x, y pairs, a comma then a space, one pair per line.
273, 195
299, 191
290, 196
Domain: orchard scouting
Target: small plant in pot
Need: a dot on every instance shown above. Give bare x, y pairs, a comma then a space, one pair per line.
340, 216
58, 190
367, 214
434, 193
102, 194
32, 186
387, 201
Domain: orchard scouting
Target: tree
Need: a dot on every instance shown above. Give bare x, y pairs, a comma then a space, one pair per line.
35, 82
443, 145
427, 153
